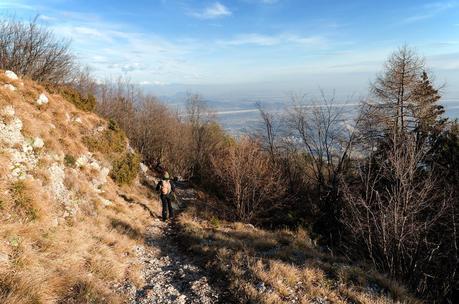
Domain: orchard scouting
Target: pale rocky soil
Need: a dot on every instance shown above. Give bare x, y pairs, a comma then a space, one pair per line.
171, 276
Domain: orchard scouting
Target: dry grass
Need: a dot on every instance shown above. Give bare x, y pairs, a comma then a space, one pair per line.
75, 262
281, 266
49, 258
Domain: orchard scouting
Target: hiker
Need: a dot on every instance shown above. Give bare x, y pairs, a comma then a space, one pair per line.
167, 189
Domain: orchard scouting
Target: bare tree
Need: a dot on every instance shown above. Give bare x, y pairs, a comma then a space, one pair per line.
248, 179
268, 133
325, 134
205, 135
33, 51
393, 207
396, 203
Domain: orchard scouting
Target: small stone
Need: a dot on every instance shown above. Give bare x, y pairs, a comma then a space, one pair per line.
261, 287
143, 168
8, 111
42, 99
78, 120
9, 87
11, 75
38, 143
106, 202
95, 166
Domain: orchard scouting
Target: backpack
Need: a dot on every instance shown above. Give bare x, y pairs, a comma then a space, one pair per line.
166, 187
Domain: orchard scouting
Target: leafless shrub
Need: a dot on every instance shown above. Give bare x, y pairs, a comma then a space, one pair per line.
153, 129
398, 203
206, 136
248, 179
322, 134
33, 51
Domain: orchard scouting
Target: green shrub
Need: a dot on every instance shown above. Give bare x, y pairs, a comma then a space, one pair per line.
215, 222
85, 103
112, 125
125, 168
69, 160
112, 140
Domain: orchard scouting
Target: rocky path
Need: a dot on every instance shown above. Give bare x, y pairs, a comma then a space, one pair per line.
170, 275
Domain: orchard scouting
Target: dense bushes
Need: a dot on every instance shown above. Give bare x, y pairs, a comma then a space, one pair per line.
109, 141
384, 185
112, 142
248, 180
125, 168
85, 102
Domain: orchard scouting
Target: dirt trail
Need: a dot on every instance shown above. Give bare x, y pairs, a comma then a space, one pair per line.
170, 274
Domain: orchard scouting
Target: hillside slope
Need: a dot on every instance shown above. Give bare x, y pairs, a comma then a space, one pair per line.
77, 225
66, 236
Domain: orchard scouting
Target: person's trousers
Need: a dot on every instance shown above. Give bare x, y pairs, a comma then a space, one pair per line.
167, 206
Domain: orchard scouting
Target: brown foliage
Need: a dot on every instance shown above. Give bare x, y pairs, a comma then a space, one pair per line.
248, 179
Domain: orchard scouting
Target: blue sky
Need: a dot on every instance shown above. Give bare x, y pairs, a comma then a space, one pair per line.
251, 48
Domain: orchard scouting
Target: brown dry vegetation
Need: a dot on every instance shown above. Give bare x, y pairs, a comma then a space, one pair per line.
307, 168
280, 266
53, 258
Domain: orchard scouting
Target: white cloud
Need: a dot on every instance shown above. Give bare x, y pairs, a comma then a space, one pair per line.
213, 11
255, 39
155, 82
114, 49
46, 18
271, 40
431, 10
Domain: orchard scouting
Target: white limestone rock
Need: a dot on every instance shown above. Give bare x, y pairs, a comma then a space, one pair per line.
8, 111
106, 202
94, 165
9, 87
57, 187
10, 133
38, 143
143, 168
82, 160
11, 75
42, 99
99, 129
130, 149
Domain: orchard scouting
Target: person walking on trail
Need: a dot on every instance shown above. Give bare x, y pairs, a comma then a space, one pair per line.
167, 189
